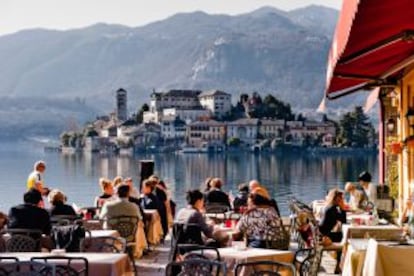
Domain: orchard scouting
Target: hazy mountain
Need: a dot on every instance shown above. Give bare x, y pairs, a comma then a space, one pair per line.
267, 50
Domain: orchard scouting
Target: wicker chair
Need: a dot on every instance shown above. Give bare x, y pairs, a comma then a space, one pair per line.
105, 244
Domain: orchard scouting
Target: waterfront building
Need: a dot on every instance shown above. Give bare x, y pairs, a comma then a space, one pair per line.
200, 133
173, 128
272, 129
218, 102
187, 115
245, 129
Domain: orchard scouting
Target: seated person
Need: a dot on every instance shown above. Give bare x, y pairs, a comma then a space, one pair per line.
357, 198
193, 214
260, 223
333, 217
241, 198
58, 204
29, 215
120, 206
369, 188
215, 196
107, 192
253, 184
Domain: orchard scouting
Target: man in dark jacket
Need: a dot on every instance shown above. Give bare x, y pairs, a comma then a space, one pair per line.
29, 215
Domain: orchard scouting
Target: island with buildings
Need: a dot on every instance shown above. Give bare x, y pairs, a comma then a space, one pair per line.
194, 121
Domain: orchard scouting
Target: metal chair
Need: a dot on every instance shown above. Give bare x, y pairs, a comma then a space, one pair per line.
262, 268
127, 227
106, 244
196, 266
22, 240
184, 233
63, 219
7, 265
65, 266
93, 224
12, 266
189, 251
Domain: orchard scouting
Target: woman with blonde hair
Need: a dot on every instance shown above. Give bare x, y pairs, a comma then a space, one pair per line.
332, 219
107, 192
57, 199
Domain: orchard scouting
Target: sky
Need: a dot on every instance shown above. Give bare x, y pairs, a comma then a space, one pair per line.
16, 15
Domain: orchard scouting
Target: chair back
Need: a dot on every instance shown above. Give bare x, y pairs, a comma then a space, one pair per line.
108, 244
125, 225
7, 265
184, 233
12, 266
196, 266
22, 240
202, 251
63, 219
93, 224
268, 268
66, 265
69, 237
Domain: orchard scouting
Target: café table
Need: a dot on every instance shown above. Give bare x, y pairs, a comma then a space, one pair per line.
154, 232
384, 232
354, 257
388, 259
237, 254
102, 264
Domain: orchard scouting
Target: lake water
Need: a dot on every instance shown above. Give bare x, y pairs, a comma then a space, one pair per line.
306, 177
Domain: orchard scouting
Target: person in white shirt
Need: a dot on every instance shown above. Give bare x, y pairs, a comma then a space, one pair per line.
370, 190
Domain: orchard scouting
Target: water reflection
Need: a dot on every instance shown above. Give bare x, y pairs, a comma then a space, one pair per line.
306, 177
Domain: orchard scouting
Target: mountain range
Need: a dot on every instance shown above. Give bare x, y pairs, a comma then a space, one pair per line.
49, 78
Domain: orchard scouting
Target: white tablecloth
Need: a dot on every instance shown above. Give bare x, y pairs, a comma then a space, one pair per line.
389, 232
233, 255
354, 257
154, 227
102, 264
383, 260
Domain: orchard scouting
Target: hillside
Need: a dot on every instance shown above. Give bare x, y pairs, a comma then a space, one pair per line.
267, 50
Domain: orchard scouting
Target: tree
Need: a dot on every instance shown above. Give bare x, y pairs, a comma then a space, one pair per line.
276, 109
355, 129
140, 113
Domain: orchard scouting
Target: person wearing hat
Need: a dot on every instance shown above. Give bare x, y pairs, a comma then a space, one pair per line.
260, 224
370, 190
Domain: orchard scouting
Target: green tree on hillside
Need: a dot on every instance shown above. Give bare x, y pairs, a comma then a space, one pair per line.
355, 129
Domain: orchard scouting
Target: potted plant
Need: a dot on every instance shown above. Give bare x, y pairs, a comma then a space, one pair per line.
396, 147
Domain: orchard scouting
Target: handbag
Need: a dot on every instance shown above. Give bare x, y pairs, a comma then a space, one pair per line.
68, 237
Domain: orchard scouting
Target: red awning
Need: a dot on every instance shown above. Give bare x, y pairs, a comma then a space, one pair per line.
373, 42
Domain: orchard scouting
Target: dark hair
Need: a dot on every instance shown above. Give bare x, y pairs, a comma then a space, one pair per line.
193, 196
32, 196
162, 184
243, 188
259, 200
123, 190
365, 176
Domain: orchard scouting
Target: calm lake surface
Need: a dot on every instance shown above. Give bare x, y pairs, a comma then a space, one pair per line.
306, 177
